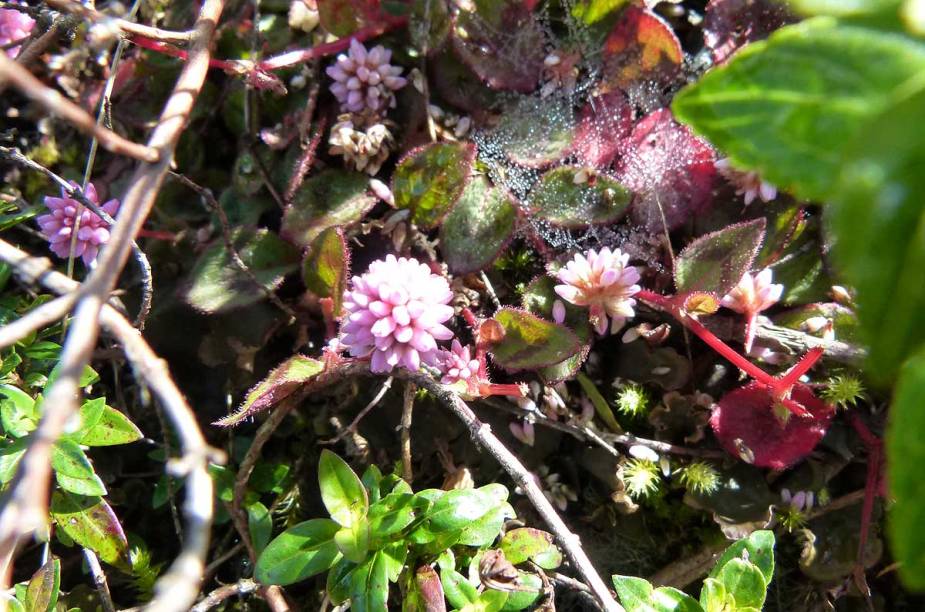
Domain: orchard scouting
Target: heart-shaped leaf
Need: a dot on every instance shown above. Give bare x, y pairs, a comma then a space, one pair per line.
300, 552
716, 262
326, 266
429, 180
530, 342
328, 199
280, 384
577, 197
478, 227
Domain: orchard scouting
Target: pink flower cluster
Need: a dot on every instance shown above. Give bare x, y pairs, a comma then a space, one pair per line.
92, 231
364, 81
749, 185
458, 365
394, 314
604, 282
750, 296
14, 25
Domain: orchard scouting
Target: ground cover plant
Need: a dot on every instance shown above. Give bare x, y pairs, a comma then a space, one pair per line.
470, 305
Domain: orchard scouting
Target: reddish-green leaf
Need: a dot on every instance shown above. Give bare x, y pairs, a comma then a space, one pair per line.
326, 266
280, 384
429, 180
641, 47
715, 263
344, 17
428, 588
526, 543
42, 590
90, 522
530, 342
478, 227
577, 197
328, 199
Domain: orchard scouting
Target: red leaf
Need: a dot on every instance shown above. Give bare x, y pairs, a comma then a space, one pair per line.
665, 164
730, 24
605, 121
745, 424
641, 47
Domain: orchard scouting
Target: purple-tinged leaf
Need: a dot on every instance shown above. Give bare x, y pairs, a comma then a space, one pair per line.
576, 197
604, 122
280, 384
326, 267
538, 299
328, 199
90, 522
478, 227
536, 132
728, 25
641, 47
530, 342
502, 42
429, 589
715, 263
669, 169
429, 180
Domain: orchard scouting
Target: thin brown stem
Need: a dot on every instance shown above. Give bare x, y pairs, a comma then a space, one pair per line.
405, 427
124, 26
245, 586
99, 580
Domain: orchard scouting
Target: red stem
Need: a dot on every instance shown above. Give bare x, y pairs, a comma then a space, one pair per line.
871, 487
802, 367
157, 235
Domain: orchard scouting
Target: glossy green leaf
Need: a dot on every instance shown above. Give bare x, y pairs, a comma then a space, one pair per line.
716, 262
91, 522
878, 223
905, 453
477, 229
530, 342
369, 585
788, 106
669, 599
42, 591
353, 541
713, 596
217, 284
299, 553
486, 529
326, 266
284, 380
338, 581
391, 514
758, 547
745, 582
11, 451
87, 377
110, 429
429, 180
593, 11
523, 543
372, 480
259, 525
91, 411
634, 593
459, 592
395, 555
73, 469
457, 509
341, 490
530, 591
576, 197
328, 199
18, 411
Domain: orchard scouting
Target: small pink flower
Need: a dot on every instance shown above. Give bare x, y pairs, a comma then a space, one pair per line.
752, 295
605, 283
364, 81
394, 314
92, 232
524, 432
748, 184
458, 365
14, 25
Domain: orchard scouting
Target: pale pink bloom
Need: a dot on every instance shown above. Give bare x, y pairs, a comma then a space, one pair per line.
524, 432
58, 224
558, 311
753, 294
364, 81
799, 501
394, 314
603, 282
14, 25
457, 365
748, 184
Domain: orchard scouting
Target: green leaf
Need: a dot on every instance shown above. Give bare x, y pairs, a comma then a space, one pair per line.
338, 582
669, 599
217, 284
634, 593
341, 490
486, 529
531, 588
91, 522
73, 469
878, 223
299, 553
326, 266
42, 591
530, 342
905, 453
87, 377
758, 547
369, 585
111, 428
372, 480
600, 404
489, 601
477, 228
716, 262
11, 451
788, 106
457, 509
459, 592
391, 514
523, 543
260, 525
575, 197
353, 541
91, 411
18, 411
429, 180
395, 555
745, 582
9, 600
593, 11
43, 349
280, 384
713, 596
328, 199
539, 298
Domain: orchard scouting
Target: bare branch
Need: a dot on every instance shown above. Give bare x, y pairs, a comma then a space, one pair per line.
244, 586
405, 427
126, 27
36, 319
99, 580
52, 101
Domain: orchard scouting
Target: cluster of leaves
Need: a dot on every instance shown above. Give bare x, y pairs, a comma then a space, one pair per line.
381, 533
